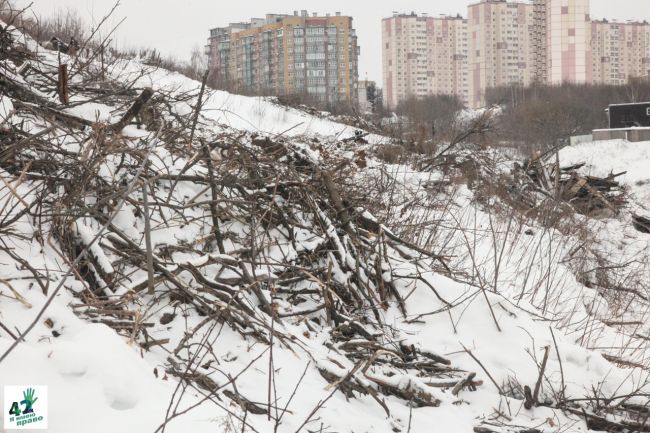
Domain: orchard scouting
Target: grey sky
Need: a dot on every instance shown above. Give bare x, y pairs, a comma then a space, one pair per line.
176, 26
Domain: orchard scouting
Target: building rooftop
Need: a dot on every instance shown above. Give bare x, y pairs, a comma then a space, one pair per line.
425, 15
630, 22
269, 19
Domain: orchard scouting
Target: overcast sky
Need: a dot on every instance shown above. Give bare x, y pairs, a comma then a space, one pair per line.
176, 26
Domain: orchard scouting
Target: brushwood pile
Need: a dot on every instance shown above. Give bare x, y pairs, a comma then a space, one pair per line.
191, 260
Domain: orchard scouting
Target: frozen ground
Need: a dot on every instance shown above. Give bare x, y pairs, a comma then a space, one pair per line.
513, 294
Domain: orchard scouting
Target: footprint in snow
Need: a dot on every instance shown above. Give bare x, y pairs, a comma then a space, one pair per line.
120, 398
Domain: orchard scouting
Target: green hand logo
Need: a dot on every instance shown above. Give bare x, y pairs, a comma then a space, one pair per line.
29, 400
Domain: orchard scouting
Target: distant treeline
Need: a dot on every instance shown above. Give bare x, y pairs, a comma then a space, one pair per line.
540, 116
432, 116
534, 118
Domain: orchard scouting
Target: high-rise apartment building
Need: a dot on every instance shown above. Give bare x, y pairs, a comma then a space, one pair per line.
538, 40
568, 34
509, 43
501, 50
620, 51
288, 54
423, 56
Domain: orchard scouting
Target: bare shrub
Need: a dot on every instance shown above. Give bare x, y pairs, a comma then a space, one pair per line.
540, 117
432, 116
390, 153
65, 24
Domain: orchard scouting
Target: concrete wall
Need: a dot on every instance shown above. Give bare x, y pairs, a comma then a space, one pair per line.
629, 134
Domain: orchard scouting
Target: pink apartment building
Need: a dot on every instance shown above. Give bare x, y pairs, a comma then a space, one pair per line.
501, 51
423, 56
568, 33
620, 51
508, 43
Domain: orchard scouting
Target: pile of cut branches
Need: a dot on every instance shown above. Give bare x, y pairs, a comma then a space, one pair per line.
154, 217
589, 195
153, 210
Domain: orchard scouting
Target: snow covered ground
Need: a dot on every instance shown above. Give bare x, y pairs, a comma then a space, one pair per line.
254, 114
513, 296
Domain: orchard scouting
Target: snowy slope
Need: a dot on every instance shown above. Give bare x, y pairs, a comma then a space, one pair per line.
255, 114
513, 292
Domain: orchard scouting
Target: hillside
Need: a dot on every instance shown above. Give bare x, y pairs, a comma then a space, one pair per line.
221, 263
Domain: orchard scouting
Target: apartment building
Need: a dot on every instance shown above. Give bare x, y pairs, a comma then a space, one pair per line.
509, 43
620, 51
422, 56
287, 54
568, 34
501, 48
538, 40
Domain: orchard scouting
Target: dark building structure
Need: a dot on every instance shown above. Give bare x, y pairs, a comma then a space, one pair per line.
629, 115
